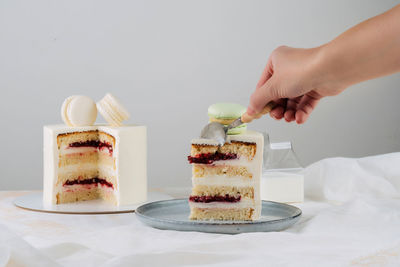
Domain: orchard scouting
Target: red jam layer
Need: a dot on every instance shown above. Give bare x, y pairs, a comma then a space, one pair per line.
91, 143
95, 180
209, 158
208, 199
94, 143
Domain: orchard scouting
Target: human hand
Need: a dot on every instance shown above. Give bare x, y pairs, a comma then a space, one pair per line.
295, 80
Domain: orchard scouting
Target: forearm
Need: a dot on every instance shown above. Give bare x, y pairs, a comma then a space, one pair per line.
369, 50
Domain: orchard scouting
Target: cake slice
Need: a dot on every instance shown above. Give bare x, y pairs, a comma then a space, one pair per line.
226, 179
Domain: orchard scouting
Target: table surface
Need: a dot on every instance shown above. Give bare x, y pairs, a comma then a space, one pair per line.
351, 217
44, 239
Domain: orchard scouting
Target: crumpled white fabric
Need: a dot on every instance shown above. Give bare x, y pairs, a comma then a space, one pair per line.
351, 217
343, 179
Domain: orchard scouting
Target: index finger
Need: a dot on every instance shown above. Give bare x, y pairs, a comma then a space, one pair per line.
266, 74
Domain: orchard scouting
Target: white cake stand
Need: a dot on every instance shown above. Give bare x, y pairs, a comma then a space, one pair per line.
34, 202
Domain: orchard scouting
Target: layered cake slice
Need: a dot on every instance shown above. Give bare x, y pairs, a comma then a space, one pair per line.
91, 162
226, 179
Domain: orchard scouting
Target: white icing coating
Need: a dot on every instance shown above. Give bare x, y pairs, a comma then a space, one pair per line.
130, 153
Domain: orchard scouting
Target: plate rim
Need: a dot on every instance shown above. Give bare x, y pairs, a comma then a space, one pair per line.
39, 194
202, 223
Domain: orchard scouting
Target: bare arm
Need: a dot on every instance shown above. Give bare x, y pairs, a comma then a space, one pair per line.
296, 79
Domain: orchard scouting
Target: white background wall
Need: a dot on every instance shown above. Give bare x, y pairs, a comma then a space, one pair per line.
168, 61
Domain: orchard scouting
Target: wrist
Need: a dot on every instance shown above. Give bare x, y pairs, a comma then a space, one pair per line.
330, 73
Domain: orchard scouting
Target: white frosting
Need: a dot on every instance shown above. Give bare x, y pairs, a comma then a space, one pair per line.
130, 153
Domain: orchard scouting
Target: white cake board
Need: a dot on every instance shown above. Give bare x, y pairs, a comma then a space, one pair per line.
34, 202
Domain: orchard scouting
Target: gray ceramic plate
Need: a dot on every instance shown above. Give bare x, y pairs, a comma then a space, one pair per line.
173, 215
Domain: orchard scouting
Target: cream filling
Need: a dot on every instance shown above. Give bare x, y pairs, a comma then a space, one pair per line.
242, 161
106, 171
105, 151
84, 187
66, 150
81, 167
223, 180
243, 203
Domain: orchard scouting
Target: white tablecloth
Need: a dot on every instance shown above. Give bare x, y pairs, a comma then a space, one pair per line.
351, 217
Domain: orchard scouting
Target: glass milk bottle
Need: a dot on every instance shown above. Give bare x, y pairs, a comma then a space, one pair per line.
282, 179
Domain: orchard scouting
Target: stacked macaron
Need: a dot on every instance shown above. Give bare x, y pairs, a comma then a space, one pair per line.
112, 110
226, 113
79, 110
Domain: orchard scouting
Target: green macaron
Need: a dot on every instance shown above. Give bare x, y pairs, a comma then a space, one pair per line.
237, 130
226, 113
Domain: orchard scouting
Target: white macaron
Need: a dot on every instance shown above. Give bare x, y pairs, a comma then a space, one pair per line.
112, 110
79, 110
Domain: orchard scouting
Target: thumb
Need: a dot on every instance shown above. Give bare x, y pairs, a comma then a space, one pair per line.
261, 97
